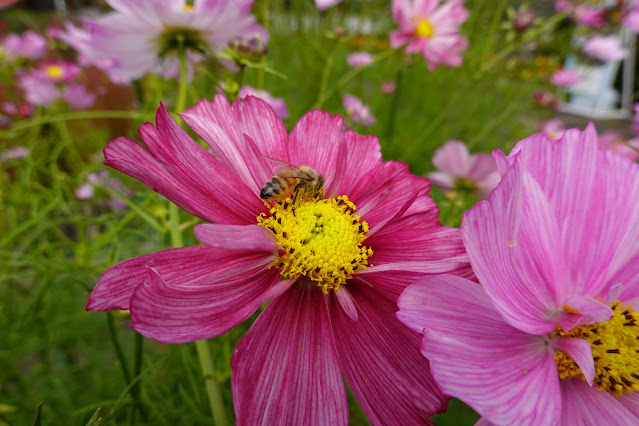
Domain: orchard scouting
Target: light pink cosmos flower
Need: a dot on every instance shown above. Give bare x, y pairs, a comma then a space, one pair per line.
359, 59
615, 142
631, 21
588, 16
278, 104
605, 48
388, 87
322, 5
142, 36
77, 96
42, 89
30, 45
14, 154
458, 170
554, 128
550, 336
331, 312
431, 29
357, 111
57, 71
564, 78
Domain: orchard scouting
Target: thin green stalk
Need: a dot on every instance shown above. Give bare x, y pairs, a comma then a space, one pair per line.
202, 346
137, 371
117, 347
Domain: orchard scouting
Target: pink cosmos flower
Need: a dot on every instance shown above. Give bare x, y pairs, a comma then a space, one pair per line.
38, 91
357, 111
588, 16
615, 142
523, 19
77, 96
143, 36
547, 99
331, 311
431, 29
30, 45
14, 154
564, 78
45, 87
278, 104
57, 71
631, 21
322, 5
86, 190
458, 170
554, 128
388, 87
359, 59
550, 337
564, 5
6, 3
605, 48
20, 109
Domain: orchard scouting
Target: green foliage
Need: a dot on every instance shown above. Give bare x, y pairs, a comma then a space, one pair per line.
54, 247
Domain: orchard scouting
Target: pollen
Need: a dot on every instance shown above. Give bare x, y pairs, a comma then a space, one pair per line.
615, 349
54, 71
424, 29
321, 239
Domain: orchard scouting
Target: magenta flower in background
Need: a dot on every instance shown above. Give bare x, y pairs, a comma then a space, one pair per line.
19, 109
554, 128
550, 336
431, 29
458, 170
57, 71
77, 96
631, 21
322, 5
6, 3
29, 45
588, 16
605, 48
547, 99
359, 59
357, 111
278, 104
331, 313
564, 78
615, 142
142, 36
388, 87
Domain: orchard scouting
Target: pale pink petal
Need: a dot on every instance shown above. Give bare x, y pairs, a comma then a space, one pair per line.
584, 405
453, 158
285, 369
345, 300
513, 244
381, 361
186, 265
631, 402
236, 237
442, 180
472, 352
590, 312
175, 312
580, 352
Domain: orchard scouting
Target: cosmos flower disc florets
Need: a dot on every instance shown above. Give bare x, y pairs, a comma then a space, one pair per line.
322, 239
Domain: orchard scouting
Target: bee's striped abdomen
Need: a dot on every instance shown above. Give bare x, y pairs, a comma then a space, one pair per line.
272, 188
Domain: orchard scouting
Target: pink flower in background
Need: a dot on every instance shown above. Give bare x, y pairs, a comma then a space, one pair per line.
77, 96
554, 128
458, 170
29, 45
615, 142
38, 91
431, 29
547, 99
278, 104
57, 71
631, 21
550, 336
359, 59
142, 36
6, 3
331, 313
86, 190
605, 48
13, 154
564, 5
564, 78
388, 87
590, 17
635, 119
20, 109
523, 19
357, 111
322, 5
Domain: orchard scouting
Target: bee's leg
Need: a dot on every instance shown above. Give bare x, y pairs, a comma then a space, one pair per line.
294, 199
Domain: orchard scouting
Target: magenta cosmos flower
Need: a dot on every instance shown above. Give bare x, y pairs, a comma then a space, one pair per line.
459, 170
551, 335
332, 266
144, 35
431, 29
564, 78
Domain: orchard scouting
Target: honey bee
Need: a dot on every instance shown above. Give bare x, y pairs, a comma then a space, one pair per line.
290, 179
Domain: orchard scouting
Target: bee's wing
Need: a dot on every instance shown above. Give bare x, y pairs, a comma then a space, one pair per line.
287, 172
282, 162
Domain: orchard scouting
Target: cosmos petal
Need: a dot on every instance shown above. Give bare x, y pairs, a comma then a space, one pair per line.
236, 237
582, 404
285, 369
579, 350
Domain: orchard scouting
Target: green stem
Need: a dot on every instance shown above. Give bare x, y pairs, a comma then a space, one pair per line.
137, 371
115, 341
202, 346
212, 388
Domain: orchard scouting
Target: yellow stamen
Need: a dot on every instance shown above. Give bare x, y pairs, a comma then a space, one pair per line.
188, 7
322, 239
424, 29
615, 345
54, 71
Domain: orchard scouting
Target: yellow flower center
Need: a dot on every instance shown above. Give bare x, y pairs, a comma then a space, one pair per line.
424, 29
615, 345
463, 184
321, 239
54, 71
188, 7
